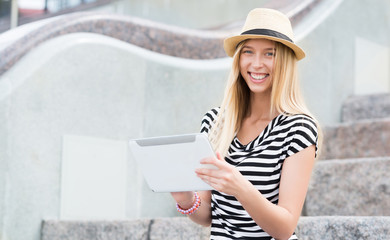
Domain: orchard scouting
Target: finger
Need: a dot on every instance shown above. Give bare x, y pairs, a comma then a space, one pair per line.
209, 180
213, 180
213, 161
215, 183
206, 171
207, 160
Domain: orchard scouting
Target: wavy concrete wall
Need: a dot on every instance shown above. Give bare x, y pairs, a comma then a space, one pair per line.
186, 13
88, 85
158, 37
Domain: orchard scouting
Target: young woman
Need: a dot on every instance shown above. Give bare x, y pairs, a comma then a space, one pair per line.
264, 137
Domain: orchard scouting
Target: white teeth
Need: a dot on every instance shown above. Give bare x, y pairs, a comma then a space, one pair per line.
259, 76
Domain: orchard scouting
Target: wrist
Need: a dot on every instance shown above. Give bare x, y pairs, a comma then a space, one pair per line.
194, 206
186, 201
246, 189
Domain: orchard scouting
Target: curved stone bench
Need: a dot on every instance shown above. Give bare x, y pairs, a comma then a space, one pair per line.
154, 36
157, 37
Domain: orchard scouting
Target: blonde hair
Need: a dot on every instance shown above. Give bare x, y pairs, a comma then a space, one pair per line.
285, 97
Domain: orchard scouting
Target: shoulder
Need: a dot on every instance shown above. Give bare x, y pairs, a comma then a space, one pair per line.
211, 115
300, 122
209, 119
302, 132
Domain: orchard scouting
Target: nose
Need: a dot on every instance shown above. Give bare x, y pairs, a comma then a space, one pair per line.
258, 61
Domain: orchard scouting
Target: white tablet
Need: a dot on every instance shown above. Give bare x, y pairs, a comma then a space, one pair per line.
168, 163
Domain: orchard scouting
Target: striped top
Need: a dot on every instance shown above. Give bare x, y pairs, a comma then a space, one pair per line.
260, 161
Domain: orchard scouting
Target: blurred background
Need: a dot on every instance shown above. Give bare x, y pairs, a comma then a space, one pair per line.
78, 78
179, 13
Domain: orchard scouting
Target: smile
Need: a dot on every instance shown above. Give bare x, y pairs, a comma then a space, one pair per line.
258, 76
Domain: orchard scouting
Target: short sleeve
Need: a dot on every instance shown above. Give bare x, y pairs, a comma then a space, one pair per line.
303, 134
208, 120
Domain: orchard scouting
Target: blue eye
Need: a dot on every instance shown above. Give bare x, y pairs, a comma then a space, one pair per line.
247, 51
270, 54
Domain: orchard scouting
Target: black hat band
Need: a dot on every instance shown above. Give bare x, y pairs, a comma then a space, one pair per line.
267, 32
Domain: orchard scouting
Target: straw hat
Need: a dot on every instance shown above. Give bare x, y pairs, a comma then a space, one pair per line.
265, 23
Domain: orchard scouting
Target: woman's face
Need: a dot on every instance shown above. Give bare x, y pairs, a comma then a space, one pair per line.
257, 63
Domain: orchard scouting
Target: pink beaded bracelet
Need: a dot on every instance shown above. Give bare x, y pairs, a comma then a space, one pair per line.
192, 209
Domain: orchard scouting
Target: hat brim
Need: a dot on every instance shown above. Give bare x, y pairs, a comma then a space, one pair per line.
230, 44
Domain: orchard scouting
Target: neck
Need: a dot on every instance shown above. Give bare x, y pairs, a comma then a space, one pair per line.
260, 106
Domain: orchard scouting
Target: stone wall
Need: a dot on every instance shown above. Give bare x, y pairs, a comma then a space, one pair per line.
119, 92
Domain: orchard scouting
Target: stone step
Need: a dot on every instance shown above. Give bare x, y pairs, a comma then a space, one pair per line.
338, 227
357, 108
181, 228
349, 187
140, 229
369, 138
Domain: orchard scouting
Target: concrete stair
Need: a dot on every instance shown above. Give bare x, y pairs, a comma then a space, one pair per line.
343, 228
364, 132
349, 193
362, 139
180, 228
357, 108
350, 187
140, 229
348, 197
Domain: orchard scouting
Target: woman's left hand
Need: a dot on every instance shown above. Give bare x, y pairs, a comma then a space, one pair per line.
226, 178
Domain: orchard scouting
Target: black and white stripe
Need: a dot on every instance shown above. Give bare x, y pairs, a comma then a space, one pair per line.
260, 162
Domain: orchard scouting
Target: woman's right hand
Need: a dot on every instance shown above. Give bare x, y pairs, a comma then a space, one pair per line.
184, 199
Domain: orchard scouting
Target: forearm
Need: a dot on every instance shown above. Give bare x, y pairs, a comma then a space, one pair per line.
273, 219
202, 216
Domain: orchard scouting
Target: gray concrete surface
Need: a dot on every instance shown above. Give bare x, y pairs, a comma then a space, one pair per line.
181, 228
362, 139
363, 107
353, 187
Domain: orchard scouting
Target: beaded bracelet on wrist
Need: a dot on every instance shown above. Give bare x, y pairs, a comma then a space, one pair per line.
192, 209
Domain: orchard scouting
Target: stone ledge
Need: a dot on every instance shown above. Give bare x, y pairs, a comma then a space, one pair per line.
177, 228
181, 228
337, 227
363, 107
362, 139
140, 229
92, 230
353, 187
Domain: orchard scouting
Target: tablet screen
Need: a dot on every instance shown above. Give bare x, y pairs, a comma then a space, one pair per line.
168, 163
